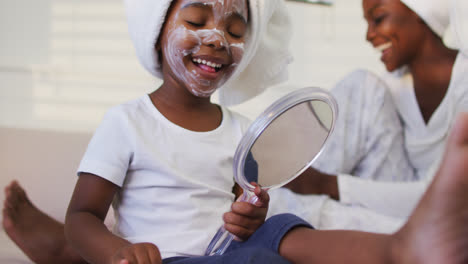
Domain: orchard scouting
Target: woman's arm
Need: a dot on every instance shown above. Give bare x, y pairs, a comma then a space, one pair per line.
395, 199
312, 181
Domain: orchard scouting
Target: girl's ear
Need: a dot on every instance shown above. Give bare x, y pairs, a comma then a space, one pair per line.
157, 46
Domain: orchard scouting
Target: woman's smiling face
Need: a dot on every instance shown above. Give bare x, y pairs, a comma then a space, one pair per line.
394, 30
202, 42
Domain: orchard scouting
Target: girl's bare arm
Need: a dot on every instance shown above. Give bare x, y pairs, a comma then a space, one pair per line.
84, 224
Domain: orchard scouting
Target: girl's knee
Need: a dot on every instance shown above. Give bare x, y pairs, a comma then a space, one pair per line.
253, 255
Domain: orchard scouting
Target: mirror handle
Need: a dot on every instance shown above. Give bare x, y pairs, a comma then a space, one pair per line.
219, 243
223, 238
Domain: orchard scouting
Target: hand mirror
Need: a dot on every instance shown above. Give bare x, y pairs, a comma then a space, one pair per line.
279, 145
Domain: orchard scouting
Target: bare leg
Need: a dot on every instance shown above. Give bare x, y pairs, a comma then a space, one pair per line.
303, 245
38, 235
436, 232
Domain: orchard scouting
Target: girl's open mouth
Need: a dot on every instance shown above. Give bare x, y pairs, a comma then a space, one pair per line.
207, 66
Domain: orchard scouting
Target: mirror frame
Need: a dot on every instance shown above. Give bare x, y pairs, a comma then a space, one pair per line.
267, 117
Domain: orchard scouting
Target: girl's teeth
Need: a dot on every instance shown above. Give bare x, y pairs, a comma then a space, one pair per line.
209, 63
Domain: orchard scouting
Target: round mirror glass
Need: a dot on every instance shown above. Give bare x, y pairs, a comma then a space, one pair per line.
285, 139
279, 145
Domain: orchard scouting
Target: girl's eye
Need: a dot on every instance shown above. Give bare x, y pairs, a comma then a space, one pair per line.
236, 30
234, 35
195, 24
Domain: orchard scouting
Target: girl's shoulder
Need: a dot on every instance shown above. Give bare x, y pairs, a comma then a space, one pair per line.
236, 118
129, 113
137, 104
131, 108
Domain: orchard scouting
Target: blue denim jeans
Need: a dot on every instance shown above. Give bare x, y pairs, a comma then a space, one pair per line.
261, 247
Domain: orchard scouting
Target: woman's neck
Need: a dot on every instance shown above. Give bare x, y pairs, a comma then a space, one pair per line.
432, 71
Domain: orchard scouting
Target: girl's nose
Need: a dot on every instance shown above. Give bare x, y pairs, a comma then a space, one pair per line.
215, 39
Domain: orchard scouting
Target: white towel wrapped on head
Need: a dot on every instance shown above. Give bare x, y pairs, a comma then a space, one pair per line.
434, 12
145, 19
265, 57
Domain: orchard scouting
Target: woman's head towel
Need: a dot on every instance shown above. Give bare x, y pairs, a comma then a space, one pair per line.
265, 57
434, 12
459, 18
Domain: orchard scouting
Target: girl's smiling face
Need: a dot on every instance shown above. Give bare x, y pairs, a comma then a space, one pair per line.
202, 42
394, 30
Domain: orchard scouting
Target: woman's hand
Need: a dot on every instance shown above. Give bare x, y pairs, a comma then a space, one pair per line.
312, 181
140, 253
245, 218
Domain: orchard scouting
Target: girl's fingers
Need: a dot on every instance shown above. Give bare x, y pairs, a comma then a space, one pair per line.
155, 257
263, 197
241, 221
239, 231
249, 210
142, 257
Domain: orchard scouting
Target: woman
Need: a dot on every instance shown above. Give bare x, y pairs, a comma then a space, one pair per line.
429, 86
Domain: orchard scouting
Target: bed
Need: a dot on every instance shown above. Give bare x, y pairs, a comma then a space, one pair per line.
44, 162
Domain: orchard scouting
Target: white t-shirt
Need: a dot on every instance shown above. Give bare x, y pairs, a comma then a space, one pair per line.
175, 183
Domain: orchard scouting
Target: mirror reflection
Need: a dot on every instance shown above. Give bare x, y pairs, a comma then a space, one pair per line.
289, 144
279, 145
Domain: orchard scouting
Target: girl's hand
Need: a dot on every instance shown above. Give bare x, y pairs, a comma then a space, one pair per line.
140, 253
245, 218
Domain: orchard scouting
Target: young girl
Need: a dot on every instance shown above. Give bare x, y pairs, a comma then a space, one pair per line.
164, 160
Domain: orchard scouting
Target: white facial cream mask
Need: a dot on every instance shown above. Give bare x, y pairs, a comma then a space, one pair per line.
186, 43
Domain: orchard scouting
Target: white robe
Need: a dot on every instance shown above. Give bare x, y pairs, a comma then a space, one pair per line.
369, 205
367, 142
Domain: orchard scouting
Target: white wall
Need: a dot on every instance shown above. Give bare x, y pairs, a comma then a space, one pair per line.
64, 62
329, 42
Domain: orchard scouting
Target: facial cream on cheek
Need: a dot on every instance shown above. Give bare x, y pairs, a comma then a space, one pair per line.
237, 51
182, 43
185, 43
224, 9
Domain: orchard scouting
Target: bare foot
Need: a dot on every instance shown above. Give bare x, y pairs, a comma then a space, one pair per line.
38, 235
437, 231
